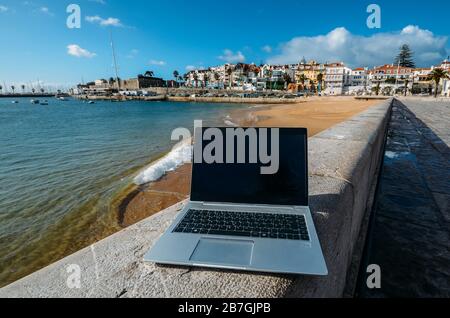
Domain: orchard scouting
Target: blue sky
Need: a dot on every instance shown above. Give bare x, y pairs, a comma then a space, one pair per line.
166, 35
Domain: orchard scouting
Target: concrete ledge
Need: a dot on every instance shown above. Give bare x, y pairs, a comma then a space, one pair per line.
344, 163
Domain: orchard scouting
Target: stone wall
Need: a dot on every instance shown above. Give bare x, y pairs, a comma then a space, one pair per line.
344, 165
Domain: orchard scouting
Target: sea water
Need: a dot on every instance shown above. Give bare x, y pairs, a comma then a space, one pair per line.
62, 167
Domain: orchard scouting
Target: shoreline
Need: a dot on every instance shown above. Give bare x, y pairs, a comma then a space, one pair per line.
316, 114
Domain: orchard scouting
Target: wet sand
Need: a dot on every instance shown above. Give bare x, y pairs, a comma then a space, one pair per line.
317, 114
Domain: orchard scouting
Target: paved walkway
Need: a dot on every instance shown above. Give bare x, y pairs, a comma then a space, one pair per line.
410, 237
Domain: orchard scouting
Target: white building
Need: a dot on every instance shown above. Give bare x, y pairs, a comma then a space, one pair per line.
446, 82
337, 79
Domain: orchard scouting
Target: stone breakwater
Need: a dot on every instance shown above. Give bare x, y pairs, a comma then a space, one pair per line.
344, 167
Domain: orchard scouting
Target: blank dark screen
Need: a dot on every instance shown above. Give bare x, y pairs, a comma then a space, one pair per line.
244, 183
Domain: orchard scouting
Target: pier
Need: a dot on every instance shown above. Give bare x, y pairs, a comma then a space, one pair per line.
410, 234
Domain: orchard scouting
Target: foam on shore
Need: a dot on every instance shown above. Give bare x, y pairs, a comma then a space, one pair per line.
180, 154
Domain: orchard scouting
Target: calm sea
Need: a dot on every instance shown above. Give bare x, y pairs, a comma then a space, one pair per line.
63, 166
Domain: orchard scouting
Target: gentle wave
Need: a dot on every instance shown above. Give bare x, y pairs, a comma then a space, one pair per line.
180, 154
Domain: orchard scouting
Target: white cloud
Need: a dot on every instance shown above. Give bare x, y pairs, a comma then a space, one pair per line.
3, 8
155, 62
98, 1
45, 10
356, 50
190, 67
267, 49
231, 57
104, 22
77, 51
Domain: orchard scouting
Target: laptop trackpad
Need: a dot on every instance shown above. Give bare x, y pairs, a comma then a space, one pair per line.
223, 252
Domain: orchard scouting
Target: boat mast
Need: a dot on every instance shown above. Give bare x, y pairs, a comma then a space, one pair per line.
114, 60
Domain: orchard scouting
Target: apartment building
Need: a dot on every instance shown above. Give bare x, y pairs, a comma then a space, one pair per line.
309, 71
337, 78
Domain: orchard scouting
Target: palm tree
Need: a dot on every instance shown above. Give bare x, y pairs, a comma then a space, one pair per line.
33, 90
311, 86
406, 86
230, 73
269, 75
13, 88
196, 79
42, 90
320, 81
205, 79
1, 89
303, 80
149, 74
217, 78
23, 88
376, 89
176, 74
437, 75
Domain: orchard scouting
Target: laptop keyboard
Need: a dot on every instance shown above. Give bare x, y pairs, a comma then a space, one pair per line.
258, 225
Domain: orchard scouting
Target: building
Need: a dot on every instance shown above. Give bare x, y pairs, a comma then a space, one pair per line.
337, 78
422, 82
445, 65
307, 74
391, 74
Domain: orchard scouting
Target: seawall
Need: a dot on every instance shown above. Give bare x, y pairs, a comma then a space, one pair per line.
344, 167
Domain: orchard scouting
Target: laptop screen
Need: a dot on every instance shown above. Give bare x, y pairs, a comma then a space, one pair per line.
235, 182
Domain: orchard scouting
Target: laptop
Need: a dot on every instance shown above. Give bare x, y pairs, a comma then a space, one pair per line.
240, 219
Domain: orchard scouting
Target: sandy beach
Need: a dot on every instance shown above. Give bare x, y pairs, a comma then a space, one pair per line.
316, 114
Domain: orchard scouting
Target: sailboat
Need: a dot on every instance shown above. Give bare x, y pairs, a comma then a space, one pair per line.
115, 69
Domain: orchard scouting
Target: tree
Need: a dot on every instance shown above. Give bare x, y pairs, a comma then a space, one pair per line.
303, 80
1, 89
42, 90
196, 79
176, 74
387, 90
13, 88
23, 88
33, 90
437, 75
320, 81
376, 89
311, 85
217, 78
269, 75
230, 73
287, 78
205, 79
405, 57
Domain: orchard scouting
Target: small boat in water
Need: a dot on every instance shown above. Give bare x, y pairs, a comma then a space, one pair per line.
34, 101
44, 103
15, 102
91, 102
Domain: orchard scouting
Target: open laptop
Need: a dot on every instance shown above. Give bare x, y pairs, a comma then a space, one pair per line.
240, 219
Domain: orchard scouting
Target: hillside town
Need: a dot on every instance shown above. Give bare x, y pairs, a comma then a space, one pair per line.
303, 78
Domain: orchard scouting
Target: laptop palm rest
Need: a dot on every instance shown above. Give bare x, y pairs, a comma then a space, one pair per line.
223, 252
